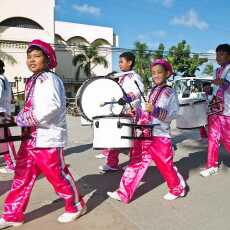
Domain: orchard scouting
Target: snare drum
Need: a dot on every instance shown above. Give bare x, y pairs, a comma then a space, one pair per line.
98, 96
192, 114
112, 131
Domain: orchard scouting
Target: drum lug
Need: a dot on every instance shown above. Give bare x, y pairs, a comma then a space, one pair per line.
119, 125
97, 124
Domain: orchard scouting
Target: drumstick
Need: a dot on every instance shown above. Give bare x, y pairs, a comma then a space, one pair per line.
108, 103
143, 96
131, 107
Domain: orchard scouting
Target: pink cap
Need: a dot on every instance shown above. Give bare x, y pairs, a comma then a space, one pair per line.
163, 63
48, 50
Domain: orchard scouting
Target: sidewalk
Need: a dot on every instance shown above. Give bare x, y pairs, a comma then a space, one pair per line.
205, 208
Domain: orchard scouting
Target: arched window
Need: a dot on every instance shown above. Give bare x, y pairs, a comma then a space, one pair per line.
21, 23
77, 40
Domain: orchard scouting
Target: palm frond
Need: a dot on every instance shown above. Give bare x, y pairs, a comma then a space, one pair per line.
100, 60
80, 58
7, 57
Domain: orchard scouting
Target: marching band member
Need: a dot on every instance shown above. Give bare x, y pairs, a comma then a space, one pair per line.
132, 98
161, 108
6, 149
219, 118
43, 117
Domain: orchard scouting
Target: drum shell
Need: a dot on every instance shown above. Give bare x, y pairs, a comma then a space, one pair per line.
192, 115
94, 92
108, 134
85, 122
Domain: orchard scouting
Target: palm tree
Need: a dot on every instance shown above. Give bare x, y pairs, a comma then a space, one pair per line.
142, 62
88, 59
6, 57
3, 55
209, 69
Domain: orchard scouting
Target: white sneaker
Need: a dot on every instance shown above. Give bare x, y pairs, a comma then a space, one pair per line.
7, 224
114, 195
67, 217
100, 156
6, 170
170, 196
209, 171
107, 168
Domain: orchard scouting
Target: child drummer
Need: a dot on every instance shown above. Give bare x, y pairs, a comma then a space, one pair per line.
161, 109
219, 118
43, 116
132, 97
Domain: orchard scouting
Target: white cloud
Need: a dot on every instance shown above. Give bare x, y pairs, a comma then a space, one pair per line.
165, 3
190, 19
87, 9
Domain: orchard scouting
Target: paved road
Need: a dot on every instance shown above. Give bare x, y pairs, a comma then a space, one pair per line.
206, 206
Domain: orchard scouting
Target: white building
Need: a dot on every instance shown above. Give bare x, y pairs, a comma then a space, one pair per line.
25, 20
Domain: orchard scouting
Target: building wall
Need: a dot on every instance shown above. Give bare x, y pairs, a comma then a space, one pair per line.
33, 10
14, 40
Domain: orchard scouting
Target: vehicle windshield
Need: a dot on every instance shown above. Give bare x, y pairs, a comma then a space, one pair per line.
186, 87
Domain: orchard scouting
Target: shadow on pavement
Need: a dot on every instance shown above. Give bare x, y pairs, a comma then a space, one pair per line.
98, 184
77, 149
5, 186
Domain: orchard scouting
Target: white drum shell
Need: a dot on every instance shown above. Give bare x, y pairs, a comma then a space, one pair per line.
192, 115
85, 122
108, 135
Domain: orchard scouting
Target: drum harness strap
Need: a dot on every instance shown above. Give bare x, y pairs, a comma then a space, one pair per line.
137, 126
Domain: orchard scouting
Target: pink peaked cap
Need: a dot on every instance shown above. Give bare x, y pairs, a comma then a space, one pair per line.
47, 49
163, 63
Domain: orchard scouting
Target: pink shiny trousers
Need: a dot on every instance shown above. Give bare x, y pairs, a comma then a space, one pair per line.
203, 132
113, 155
218, 132
9, 150
30, 162
160, 150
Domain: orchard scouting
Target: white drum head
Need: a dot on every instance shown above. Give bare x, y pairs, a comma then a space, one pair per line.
94, 93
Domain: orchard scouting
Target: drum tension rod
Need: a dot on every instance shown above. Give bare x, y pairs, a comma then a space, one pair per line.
97, 124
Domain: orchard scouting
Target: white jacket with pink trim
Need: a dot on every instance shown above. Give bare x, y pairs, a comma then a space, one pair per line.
47, 111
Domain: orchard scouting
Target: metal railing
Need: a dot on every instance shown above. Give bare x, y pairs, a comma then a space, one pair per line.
71, 107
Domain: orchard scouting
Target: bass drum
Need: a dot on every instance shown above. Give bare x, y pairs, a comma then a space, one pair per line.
84, 121
94, 93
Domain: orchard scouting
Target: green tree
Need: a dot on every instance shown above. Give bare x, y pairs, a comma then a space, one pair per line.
159, 53
184, 62
143, 60
88, 59
209, 69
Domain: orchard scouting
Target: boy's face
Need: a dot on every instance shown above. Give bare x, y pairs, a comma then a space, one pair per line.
124, 65
36, 61
159, 74
222, 57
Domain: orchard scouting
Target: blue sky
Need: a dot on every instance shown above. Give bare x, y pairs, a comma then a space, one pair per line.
202, 23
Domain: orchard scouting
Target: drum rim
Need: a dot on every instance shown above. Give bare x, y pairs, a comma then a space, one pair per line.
113, 115
83, 86
194, 103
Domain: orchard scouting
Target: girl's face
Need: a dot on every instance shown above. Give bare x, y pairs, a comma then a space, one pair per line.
159, 74
124, 65
222, 57
36, 61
